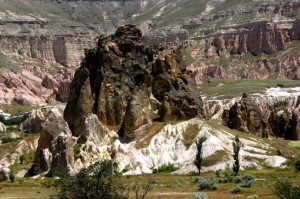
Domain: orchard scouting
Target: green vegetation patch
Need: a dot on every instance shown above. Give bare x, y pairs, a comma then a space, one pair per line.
227, 89
295, 144
189, 134
5, 140
214, 158
166, 168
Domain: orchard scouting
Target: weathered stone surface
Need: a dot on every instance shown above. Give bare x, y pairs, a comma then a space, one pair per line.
267, 120
54, 153
117, 79
33, 124
4, 174
65, 50
2, 127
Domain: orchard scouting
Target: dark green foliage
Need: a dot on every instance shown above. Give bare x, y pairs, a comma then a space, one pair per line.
5, 140
236, 150
93, 182
76, 149
285, 190
198, 158
297, 165
165, 168
235, 190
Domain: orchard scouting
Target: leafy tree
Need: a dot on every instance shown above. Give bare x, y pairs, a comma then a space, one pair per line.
236, 150
198, 158
94, 182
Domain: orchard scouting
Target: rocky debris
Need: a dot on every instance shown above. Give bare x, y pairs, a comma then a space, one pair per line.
54, 154
2, 127
278, 119
122, 78
4, 174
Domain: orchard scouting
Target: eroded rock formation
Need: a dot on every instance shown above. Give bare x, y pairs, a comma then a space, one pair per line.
54, 154
265, 120
129, 85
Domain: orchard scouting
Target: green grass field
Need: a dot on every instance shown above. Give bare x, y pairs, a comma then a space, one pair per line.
166, 186
227, 89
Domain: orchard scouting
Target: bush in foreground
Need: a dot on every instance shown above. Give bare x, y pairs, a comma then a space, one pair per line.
235, 190
285, 190
93, 182
209, 184
98, 182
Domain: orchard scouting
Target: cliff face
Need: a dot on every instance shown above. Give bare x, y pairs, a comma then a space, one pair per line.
129, 85
67, 51
259, 50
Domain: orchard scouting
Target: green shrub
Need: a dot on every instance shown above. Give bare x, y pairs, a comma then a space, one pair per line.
248, 177
297, 165
285, 190
235, 190
246, 184
247, 180
228, 177
165, 168
95, 182
199, 195
237, 179
209, 184
5, 140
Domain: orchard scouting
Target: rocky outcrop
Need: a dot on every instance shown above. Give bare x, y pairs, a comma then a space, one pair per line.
278, 119
54, 154
246, 116
129, 85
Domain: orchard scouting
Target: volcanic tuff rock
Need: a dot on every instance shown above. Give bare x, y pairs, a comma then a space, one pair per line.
129, 85
54, 154
276, 120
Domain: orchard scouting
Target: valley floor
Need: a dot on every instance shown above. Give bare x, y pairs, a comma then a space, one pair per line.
167, 186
